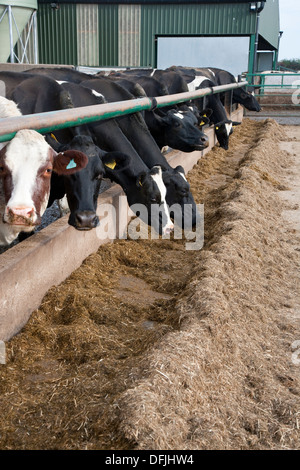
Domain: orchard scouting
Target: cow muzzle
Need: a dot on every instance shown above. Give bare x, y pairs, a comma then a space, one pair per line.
203, 142
86, 220
167, 229
24, 216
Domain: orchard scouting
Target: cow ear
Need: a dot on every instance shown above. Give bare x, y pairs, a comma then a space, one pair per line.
53, 142
69, 162
180, 169
2, 151
115, 160
236, 123
207, 112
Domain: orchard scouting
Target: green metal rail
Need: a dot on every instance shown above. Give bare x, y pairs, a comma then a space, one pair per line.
262, 87
61, 119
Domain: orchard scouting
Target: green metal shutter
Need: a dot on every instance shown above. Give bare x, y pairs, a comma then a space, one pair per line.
191, 19
108, 35
57, 34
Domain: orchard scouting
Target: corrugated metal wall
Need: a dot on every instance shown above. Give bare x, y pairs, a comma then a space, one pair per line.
108, 35
124, 35
129, 35
202, 19
87, 35
57, 34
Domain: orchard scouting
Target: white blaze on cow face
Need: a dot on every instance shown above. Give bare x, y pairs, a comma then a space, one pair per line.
169, 226
29, 162
179, 115
183, 176
60, 82
228, 127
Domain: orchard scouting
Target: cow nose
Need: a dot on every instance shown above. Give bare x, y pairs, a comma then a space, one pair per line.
168, 229
20, 215
86, 220
205, 141
26, 212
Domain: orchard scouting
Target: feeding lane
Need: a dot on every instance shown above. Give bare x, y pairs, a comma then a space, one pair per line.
54, 120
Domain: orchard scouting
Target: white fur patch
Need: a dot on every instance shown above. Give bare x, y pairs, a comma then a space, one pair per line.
60, 82
183, 176
192, 86
97, 94
228, 128
163, 191
8, 108
179, 115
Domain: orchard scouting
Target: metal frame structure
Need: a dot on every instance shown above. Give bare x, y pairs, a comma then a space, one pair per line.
61, 119
32, 26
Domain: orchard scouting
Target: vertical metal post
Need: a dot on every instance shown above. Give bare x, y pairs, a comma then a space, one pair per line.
35, 37
11, 38
255, 61
251, 58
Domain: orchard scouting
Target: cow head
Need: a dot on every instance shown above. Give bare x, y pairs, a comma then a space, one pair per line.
179, 193
181, 132
26, 165
246, 99
144, 190
82, 188
223, 130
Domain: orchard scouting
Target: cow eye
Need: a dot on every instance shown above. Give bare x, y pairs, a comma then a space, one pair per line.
48, 172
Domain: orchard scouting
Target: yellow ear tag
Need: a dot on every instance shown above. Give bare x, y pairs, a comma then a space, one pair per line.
140, 183
217, 128
53, 137
202, 123
204, 115
111, 165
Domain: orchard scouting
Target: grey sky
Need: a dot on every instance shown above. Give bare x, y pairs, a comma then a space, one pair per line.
290, 25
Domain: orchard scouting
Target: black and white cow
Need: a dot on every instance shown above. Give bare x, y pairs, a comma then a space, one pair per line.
222, 125
239, 95
142, 184
139, 139
26, 166
137, 132
173, 126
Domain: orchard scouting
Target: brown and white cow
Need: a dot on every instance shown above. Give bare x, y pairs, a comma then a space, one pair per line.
26, 164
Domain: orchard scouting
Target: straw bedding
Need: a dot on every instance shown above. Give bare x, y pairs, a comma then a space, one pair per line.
150, 346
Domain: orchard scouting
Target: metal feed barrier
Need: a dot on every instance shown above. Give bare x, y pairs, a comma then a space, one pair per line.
52, 254
55, 120
264, 88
